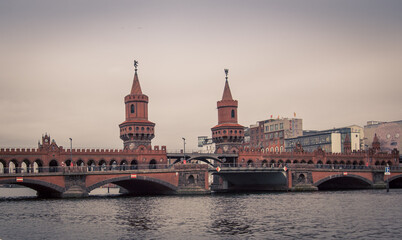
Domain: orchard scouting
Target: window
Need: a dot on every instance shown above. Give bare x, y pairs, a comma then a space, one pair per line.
233, 113
132, 108
281, 125
276, 126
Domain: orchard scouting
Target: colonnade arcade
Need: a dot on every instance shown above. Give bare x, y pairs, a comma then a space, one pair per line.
37, 165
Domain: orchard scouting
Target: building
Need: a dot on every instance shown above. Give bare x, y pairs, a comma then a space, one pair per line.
388, 133
206, 145
256, 135
327, 141
331, 140
271, 134
228, 135
276, 131
136, 132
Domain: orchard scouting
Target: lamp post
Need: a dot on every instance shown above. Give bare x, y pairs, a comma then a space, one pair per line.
184, 149
71, 151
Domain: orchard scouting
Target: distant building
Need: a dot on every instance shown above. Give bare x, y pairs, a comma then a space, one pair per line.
327, 141
206, 145
388, 133
276, 131
331, 140
270, 134
256, 134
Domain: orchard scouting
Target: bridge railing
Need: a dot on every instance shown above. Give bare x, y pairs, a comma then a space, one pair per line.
311, 166
105, 168
81, 169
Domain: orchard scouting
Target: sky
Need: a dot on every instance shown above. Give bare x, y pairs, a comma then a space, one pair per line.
66, 66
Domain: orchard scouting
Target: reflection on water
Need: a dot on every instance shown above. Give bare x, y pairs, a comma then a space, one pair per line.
368, 214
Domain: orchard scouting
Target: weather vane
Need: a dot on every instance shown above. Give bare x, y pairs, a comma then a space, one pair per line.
135, 64
226, 72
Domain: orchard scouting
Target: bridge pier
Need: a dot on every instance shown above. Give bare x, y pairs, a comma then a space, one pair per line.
74, 187
193, 179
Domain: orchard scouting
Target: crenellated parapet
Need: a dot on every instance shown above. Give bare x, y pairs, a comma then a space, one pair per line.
259, 157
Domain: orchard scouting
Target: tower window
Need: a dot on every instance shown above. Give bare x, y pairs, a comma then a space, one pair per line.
132, 108
233, 113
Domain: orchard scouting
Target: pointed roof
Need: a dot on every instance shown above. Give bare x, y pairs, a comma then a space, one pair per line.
136, 88
227, 95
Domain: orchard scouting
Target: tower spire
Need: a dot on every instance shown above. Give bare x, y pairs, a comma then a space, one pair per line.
227, 95
136, 88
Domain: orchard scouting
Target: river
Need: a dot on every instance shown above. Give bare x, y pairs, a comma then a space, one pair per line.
363, 214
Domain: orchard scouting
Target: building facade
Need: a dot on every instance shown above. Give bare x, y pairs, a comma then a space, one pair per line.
270, 134
388, 133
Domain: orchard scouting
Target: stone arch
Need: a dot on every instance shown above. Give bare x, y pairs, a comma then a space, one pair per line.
2, 166
127, 181
303, 161
37, 166
320, 162
264, 163
152, 164
134, 164
53, 165
43, 188
301, 178
191, 179
113, 164
25, 166
310, 162
102, 165
353, 176
377, 163
80, 163
91, 165
124, 165
295, 161
250, 163
395, 181
13, 166
328, 162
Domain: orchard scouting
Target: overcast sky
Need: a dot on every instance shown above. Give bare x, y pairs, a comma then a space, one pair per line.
65, 66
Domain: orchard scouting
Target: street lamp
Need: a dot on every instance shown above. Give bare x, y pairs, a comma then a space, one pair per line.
184, 149
71, 151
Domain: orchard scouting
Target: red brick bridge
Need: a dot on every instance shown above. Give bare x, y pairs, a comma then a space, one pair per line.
78, 181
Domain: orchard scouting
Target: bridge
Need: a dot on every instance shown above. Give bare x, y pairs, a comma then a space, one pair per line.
70, 182
304, 177
193, 178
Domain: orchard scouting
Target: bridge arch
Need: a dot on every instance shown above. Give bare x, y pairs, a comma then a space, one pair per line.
202, 158
395, 181
139, 185
341, 181
44, 189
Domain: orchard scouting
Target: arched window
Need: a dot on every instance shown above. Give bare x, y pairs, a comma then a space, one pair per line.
233, 113
132, 108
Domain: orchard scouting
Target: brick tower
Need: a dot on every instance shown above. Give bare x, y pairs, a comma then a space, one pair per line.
228, 135
136, 130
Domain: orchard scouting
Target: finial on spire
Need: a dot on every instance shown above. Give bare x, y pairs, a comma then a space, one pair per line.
135, 65
226, 73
